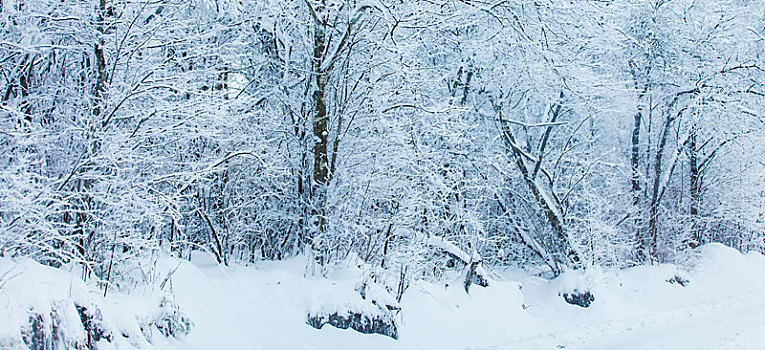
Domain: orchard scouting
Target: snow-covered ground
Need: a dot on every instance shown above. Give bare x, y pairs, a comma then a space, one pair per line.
265, 307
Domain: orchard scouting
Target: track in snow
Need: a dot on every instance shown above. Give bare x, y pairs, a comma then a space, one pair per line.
734, 322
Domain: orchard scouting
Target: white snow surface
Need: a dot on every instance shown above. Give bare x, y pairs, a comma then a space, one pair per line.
265, 307
27, 287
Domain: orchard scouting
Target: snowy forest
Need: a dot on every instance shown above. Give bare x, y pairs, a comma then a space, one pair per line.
420, 140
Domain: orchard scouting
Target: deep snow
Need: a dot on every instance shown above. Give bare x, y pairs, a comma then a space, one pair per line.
265, 307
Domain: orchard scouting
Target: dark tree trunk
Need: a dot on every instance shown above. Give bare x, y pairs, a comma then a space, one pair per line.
695, 190
642, 238
320, 135
656, 191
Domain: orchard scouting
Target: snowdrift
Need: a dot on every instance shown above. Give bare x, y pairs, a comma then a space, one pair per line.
269, 306
47, 308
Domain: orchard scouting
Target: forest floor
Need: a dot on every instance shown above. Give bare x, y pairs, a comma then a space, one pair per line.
721, 306
733, 322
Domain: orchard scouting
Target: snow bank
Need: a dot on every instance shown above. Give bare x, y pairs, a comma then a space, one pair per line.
32, 295
44, 307
645, 307
266, 306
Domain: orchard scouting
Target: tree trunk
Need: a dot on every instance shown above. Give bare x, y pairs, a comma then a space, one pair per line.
641, 237
83, 186
695, 190
321, 135
653, 209
98, 51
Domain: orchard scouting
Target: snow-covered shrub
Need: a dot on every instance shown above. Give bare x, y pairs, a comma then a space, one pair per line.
169, 321
63, 312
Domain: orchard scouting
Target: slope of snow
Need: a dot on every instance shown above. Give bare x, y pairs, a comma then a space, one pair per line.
266, 305
28, 289
638, 309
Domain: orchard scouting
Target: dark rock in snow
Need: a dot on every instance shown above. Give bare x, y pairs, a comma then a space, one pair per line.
382, 323
679, 280
583, 299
